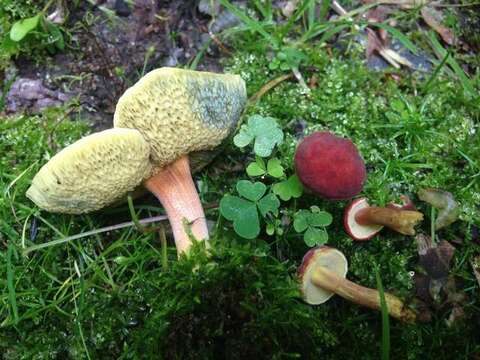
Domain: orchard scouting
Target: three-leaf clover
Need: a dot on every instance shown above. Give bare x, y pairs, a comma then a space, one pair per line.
312, 223
288, 58
290, 188
273, 167
243, 211
264, 132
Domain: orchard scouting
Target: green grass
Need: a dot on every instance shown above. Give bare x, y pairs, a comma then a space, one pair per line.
109, 294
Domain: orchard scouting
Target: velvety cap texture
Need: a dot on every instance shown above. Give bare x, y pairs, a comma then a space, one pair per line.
179, 111
92, 173
330, 166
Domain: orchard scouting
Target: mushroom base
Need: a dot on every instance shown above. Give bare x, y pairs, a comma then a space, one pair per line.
328, 280
174, 187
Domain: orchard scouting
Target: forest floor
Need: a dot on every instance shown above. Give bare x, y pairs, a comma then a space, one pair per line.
399, 79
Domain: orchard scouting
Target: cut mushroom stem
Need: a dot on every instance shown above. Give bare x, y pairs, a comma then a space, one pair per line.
361, 295
323, 273
175, 189
402, 221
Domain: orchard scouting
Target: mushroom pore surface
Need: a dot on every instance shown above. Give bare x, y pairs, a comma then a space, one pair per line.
330, 166
179, 111
323, 256
92, 173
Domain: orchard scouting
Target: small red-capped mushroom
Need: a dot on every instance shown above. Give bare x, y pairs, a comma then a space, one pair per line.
330, 166
323, 273
363, 221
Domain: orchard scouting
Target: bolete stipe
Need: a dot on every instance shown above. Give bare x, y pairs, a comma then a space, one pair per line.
362, 221
171, 113
330, 166
323, 273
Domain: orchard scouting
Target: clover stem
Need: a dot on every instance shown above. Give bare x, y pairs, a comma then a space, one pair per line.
173, 186
328, 280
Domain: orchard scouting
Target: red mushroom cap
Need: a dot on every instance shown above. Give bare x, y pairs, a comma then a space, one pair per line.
330, 166
355, 230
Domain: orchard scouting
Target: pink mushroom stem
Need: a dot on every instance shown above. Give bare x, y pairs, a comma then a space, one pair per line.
328, 280
175, 189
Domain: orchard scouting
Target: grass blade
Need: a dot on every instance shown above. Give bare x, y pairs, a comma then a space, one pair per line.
12, 297
324, 7
93, 232
298, 13
442, 53
385, 318
252, 24
435, 73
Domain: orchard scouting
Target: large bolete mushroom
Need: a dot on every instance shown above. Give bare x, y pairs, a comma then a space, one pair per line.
172, 113
92, 173
322, 274
179, 112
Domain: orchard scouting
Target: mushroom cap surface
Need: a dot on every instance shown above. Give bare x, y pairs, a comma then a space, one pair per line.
324, 256
330, 166
179, 111
92, 173
355, 230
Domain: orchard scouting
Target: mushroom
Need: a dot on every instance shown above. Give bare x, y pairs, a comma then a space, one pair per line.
323, 273
172, 112
330, 166
179, 112
92, 173
362, 221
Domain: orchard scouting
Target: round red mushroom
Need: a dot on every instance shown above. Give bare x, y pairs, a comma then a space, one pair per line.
330, 166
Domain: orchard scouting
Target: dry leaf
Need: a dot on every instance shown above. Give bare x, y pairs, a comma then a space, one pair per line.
434, 258
433, 18
475, 262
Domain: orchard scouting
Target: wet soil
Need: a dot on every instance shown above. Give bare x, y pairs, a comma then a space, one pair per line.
111, 44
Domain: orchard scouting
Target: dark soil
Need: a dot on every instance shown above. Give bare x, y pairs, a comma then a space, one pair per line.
109, 43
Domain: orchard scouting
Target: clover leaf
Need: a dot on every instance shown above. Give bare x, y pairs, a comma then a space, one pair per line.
264, 132
21, 28
290, 188
273, 168
312, 223
243, 211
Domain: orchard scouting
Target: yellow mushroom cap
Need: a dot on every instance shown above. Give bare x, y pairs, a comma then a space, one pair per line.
179, 111
92, 173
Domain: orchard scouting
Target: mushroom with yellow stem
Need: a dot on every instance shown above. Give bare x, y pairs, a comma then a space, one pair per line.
168, 114
323, 273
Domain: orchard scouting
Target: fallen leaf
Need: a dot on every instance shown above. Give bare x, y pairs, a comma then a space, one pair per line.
445, 202
456, 315
289, 8
435, 259
433, 18
475, 262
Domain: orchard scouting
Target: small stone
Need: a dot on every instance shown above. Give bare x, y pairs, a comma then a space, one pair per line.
121, 8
